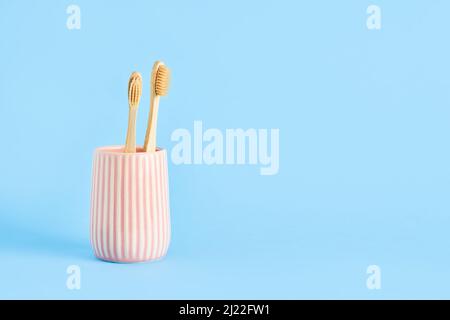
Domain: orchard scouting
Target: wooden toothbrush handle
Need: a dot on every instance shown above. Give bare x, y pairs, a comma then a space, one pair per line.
130, 144
150, 135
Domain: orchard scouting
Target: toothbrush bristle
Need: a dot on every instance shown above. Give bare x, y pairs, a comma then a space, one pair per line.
162, 80
134, 89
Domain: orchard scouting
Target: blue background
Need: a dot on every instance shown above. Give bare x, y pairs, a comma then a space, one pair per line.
364, 159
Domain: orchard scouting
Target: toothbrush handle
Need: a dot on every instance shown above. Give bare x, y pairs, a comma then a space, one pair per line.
130, 144
150, 135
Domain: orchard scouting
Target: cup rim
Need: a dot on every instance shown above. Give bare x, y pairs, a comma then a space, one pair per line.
118, 150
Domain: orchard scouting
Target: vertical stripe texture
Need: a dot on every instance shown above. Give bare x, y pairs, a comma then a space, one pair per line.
130, 218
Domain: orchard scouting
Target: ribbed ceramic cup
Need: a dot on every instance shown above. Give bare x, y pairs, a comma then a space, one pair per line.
130, 218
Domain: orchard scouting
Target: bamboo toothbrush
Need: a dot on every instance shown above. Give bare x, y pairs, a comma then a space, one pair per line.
134, 96
159, 87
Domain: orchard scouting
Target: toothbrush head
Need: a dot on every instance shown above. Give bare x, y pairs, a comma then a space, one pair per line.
134, 90
160, 79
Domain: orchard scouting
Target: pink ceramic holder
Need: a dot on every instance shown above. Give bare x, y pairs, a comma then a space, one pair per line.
130, 218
